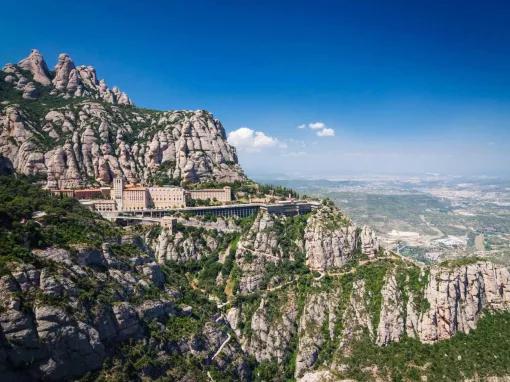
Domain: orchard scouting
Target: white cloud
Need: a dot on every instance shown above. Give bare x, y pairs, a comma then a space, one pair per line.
317, 125
246, 139
320, 128
326, 132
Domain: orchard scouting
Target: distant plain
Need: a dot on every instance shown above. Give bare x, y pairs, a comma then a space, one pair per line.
431, 218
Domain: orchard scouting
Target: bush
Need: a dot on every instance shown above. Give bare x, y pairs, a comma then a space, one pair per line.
62, 222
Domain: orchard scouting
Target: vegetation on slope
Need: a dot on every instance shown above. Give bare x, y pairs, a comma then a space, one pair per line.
32, 218
483, 352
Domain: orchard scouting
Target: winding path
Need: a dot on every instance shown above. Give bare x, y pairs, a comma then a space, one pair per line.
222, 346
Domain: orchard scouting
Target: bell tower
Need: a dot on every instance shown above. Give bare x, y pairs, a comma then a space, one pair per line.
118, 191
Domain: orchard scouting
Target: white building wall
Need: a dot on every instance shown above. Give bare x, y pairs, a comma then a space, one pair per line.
166, 197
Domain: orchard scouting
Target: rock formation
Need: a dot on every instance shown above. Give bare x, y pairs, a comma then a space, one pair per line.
182, 246
53, 328
331, 239
255, 250
67, 80
89, 136
36, 65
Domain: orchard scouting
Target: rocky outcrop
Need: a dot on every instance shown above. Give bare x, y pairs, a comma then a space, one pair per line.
256, 249
82, 82
271, 332
66, 81
16, 145
452, 300
331, 239
316, 327
89, 138
94, 144
36, 65
391, 321
457, 299
190, 244
63, 320
48, 329
356, 316
370, 243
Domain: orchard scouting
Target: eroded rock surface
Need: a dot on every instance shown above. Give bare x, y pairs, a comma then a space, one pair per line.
91, 135
331, 239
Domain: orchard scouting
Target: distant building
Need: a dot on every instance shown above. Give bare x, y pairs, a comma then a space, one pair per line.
83, 193
122, 197
166, 197
118, 191
104, 205
63, 192
223, 195
134, 198
88, 193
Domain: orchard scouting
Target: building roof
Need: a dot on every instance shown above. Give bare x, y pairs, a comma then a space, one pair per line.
167, 187
209, 190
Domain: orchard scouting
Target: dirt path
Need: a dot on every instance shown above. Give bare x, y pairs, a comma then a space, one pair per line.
239, 246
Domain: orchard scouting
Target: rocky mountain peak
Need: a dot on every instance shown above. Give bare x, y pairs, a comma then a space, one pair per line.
36, 65
67, 81
63, 69
73, 139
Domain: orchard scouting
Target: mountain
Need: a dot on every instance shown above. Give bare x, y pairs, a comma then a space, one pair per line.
71, 129
310, 297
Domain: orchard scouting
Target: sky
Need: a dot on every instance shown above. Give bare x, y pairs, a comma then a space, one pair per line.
303, 88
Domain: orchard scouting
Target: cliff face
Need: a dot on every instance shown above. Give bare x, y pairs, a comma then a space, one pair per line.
75, 131
457, 299
331, 240
361, 293
64, 319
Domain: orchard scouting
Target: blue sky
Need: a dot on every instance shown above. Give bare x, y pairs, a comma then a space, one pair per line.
406, 86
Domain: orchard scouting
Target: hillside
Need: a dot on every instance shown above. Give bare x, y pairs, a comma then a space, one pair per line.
71, 129
269, 298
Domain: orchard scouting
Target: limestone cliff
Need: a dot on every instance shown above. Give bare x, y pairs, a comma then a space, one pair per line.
331, 239
72, 129
362, 294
